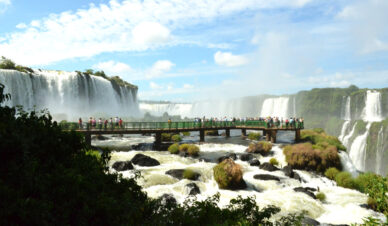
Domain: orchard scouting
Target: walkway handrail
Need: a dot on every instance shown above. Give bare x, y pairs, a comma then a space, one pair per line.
208, 125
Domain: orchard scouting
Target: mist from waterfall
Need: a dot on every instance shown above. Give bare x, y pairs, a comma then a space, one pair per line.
68, 95
275, 107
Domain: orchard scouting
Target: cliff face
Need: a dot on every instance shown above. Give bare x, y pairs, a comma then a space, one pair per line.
69, 95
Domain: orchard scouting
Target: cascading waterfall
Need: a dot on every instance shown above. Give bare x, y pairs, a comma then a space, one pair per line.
380, 152
347, 118
158, 109
68, 95
346, 138
275, 107
371, 113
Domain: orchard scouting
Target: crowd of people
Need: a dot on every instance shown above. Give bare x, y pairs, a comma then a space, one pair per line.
101, 123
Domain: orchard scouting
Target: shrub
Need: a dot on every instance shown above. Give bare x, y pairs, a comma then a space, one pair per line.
261, 147
304, 156
96, 154
321, 196
183, 147
274, 162
176, 138
372, 203
320, 138
186, 134
254, 136
331, 173
344, 179
189, 174
211, 132
193, 150
166, 136
174, 148
228, 174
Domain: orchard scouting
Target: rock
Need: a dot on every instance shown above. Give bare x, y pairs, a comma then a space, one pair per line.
230, 155
268, 166
178, 174
211, 133
246, 157
100, 137
229, 175
261, 147
288, 171
310, 222
366, 206
204, 160
193, 189
254, 162
167, 199
122, 166
142, 146
144, 160
266, 177
297, 177
306, 191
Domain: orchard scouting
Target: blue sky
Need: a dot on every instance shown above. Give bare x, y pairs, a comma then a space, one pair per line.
204, 49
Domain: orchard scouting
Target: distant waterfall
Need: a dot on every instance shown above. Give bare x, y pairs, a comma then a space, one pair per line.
275, 107
346, 116
358, 149
158, 109
372, 111
379, 152
68, 95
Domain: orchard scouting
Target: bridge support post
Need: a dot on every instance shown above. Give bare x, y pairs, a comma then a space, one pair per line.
88, 139
297, 135
158, 138
227, 132
202, 135
273, 136
267, 135
244, 132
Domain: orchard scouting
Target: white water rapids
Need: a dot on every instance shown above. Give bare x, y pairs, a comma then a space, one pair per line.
342, 206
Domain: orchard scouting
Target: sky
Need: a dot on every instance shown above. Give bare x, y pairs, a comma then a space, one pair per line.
183, 51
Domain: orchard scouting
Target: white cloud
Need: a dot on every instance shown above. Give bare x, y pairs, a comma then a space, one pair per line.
154, 86
188, 86
4, 4
367, 20
159, 68
21, 26
119, 26
149, 33
229, 60
114, 68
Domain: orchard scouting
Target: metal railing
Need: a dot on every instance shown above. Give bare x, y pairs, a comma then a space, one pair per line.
183, 125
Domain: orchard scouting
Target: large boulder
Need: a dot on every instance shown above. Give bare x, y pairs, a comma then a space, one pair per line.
230, 155
246, 157
268, 167
307, 191
310, 222
266, 177
192, 189
168, 200
229, 175
144, 160
179, 174
122, 165
254, 162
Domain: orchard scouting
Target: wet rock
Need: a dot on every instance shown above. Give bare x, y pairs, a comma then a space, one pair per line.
100, 137
142, 146
268, 166
122, 165
266, 177
229, 175
167, 199
204, 160
144, 160
307, 191
254, 162
246, 157
310, 222
230, 155
288, 171
296, 176
366, 206
178, 174
193, 189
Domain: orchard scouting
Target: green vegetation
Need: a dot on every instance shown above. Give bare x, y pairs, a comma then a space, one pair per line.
321, 196
96, 154
274, 162
211, 132
254, 136
262, 147
344, 179
189, 174
174, 148
318, 137
331, 173
308, 157
228, 174
49, 178
186, 134
190, 149
166, 136
10, 65
65, 125
115, 80
176, 138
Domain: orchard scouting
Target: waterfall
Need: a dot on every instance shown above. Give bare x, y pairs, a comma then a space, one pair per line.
345, 114
275, 107
294, 106
346, 138
372, 111
158, 109
347, 164
358, 149
380, 152
68, 95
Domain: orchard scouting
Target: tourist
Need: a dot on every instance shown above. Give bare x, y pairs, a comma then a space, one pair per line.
105, 124
121, 123
80, 123
99, 124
